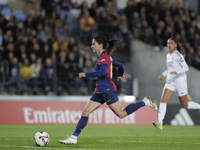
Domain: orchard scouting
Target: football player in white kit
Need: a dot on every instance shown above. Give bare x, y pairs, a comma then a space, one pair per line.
176, 81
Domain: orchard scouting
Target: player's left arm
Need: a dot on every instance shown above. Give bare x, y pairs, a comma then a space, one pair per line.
183, 66
121, 75
120, 67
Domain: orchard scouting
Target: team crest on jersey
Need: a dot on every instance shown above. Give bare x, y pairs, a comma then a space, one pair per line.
102, 60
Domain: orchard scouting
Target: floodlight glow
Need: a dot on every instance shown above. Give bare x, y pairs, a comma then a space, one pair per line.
129, 98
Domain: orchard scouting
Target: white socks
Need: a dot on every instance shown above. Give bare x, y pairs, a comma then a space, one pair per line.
163, 108
193, 105
162, 112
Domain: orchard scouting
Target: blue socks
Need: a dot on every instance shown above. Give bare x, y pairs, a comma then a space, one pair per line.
83, 120
81, 124
133, 107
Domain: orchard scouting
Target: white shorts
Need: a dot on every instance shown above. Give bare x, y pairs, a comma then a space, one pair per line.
180, 88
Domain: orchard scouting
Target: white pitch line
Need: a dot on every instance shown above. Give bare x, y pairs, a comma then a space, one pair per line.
87, 149
197, 143
44, 147
7, 139
28, 146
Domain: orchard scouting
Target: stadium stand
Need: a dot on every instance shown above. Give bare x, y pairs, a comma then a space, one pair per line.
59, 40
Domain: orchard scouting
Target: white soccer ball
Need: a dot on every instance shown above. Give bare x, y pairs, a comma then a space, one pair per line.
41, 138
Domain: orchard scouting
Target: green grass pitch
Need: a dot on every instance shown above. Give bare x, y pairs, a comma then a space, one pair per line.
20, 137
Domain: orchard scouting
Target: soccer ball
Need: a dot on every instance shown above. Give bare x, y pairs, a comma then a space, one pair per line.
41, 138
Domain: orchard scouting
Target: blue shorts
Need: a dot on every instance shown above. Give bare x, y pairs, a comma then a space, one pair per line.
109, 98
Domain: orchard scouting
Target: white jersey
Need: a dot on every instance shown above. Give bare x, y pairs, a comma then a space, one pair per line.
177, 63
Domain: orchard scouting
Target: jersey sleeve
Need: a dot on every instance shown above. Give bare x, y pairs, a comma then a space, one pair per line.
183, 64
165, 73
120, 67
103, 63
101, 72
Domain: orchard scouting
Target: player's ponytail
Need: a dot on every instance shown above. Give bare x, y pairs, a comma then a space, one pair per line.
108, 45
179, 48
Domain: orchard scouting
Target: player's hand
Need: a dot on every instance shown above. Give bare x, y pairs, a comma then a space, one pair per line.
82, 74
122, 78
161, 77
173, 72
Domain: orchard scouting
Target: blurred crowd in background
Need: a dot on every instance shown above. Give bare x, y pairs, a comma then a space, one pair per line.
46, 49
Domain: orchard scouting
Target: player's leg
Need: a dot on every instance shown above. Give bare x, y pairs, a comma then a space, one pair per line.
117, 109
166, 95
90, 107
184, 101
121, 113
189, 98
189, 105
183, 97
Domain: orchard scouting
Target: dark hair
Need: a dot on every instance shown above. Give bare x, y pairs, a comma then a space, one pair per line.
108, 45
181, 50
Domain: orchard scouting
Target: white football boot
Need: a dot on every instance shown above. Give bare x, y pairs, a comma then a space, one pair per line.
69, 141
149, 103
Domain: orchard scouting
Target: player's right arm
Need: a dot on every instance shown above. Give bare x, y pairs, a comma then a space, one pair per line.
102, 71
163, 75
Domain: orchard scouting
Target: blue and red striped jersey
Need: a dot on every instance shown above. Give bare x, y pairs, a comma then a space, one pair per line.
103, 72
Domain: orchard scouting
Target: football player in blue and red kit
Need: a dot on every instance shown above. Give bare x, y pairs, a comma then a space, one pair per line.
105, 90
